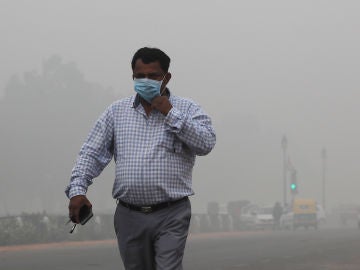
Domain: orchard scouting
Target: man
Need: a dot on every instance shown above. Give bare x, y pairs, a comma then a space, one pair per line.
277, 213
154, 137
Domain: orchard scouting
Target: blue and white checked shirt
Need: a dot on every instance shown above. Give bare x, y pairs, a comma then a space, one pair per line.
154, 155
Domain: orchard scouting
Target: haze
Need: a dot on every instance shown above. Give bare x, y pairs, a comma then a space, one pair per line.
260, 69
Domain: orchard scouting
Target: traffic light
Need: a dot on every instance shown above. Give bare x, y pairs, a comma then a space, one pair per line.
293, 184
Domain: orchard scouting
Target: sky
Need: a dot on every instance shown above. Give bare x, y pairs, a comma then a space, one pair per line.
260, 69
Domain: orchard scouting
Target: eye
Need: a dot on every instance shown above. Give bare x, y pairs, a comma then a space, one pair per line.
154, 76
151, 76
139, 76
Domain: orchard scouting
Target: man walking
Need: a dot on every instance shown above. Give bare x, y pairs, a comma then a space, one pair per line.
154, 137
277, 213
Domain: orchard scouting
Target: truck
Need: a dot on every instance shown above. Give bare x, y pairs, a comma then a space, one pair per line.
303, 213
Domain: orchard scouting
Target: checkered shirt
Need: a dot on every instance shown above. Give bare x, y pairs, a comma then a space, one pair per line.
154, 155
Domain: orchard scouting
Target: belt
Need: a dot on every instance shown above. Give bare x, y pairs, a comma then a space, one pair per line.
150, 208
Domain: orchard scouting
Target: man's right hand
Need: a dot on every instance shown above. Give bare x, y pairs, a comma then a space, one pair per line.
75, 204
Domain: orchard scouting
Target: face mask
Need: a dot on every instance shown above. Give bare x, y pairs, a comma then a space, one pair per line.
148, 89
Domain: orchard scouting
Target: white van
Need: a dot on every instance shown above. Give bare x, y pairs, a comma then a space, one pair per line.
320, 214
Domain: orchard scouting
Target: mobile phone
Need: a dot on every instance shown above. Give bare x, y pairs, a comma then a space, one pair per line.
85, 214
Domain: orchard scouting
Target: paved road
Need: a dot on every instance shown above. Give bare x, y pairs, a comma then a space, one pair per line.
330, 249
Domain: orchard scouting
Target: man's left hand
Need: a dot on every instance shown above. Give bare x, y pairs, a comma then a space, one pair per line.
162, 104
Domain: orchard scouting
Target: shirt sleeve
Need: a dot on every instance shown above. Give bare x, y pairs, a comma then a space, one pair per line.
193, 128
95, 154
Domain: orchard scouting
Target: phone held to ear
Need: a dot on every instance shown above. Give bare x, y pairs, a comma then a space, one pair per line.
85, 215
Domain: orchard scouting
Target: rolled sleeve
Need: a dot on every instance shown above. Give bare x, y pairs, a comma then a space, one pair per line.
174, 120
193, 128
77, 187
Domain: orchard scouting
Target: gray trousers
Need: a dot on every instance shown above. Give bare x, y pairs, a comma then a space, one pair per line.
153, 241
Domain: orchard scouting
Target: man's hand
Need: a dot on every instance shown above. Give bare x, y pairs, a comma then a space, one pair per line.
162, 104
75, 204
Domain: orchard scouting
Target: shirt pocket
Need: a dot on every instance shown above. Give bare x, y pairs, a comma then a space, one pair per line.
178, 146
168, 142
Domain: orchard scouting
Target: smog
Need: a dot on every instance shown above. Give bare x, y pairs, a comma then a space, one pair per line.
279, 80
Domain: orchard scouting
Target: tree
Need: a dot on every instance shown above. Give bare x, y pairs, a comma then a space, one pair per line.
44, 119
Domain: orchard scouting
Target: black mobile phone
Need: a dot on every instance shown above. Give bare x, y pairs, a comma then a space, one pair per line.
85, 214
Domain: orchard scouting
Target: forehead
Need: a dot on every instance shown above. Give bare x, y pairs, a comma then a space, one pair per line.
141, 67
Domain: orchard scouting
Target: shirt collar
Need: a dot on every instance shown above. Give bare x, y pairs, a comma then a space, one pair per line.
138, 98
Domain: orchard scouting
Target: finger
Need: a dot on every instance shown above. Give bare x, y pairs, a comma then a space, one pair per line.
74, 214
71, 214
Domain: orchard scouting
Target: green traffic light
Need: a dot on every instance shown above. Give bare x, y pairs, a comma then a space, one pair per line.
293, 186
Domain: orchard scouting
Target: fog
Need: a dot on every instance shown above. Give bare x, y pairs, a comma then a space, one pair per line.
260, 69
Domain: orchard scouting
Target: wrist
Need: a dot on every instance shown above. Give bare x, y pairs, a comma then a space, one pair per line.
167, 110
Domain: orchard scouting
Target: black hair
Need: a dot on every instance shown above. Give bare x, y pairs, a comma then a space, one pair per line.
150, 55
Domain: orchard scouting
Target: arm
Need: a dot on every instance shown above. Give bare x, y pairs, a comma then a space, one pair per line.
94, 155
193, 128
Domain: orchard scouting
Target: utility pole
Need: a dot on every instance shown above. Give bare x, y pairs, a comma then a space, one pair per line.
284, 147
323, 156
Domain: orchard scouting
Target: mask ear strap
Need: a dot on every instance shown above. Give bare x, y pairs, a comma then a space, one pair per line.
162, 92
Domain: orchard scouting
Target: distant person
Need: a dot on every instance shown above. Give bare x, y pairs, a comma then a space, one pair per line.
154, 137
277, 213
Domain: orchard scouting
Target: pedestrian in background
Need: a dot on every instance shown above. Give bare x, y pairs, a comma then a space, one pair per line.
154, 137
277, 213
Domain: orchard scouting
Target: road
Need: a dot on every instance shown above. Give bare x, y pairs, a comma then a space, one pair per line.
330, 249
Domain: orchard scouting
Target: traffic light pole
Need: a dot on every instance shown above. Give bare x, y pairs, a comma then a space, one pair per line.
293, 184
284, 146
323, 155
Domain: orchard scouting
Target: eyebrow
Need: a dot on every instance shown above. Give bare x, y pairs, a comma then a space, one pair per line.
153, 73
